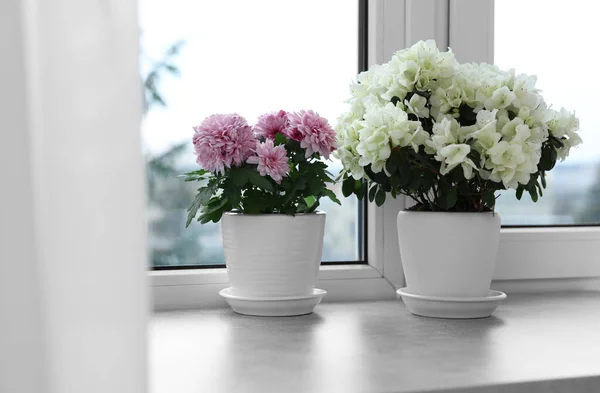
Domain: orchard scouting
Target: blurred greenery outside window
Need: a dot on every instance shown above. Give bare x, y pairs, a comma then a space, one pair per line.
172, 72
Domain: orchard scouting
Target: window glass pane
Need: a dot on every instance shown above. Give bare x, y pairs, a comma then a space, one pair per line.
555, 40
249, 57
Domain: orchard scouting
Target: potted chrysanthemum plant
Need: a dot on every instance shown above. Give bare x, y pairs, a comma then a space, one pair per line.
264, 183
450, 137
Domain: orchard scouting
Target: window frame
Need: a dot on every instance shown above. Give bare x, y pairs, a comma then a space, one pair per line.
194, 288
530, 259
532, 252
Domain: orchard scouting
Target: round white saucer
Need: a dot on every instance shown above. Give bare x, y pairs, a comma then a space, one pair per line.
273, 307
451, 307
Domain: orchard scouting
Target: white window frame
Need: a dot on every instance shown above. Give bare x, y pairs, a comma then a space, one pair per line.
540, 253
530, 259
194, 288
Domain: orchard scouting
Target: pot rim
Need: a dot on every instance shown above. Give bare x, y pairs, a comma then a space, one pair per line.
406, 211
239, 214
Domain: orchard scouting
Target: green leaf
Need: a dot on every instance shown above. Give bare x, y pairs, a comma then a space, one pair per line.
313, 207
242, 176
543, 177
519, 193
415, 183
239, 176
475, 156
451, 198
380, 197
329, 178
280, 139
327, 192
188, 177
192, 178
548, 159
539, 188
199, 172
360, 188
447, 195
489, 198
556, 142
533, 194
201, 199
405, 174
310, 201
260, 181
216, 205
391, 165
234, 195
379, 177
300, 184
298, 158
348, 186
372, 192
204, 194
215, 216
428, 180
251, 203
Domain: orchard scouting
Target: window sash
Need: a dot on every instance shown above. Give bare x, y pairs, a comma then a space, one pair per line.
525, 252
530, 259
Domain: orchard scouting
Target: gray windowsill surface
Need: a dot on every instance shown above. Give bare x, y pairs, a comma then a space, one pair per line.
533, 343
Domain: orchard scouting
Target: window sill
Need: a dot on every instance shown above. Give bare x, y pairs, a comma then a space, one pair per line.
219, 276
199, 288
533, 343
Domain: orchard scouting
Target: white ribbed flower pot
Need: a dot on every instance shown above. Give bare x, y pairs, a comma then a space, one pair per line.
273, 255
448, 254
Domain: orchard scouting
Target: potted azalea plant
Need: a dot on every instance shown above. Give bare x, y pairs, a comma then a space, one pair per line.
450, 137
264, 183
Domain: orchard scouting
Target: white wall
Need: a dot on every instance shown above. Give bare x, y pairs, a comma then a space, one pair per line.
73, 290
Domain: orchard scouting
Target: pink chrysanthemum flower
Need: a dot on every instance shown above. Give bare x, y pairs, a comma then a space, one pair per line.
272, 160
270, 124
223, 141
313, 131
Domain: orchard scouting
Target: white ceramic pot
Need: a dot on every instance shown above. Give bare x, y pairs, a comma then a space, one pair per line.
448, 254
273, 255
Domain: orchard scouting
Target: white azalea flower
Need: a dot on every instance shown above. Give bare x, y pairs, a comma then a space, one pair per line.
453, 155
373, 147
374, 144
509, 177
443, 100
509, 130
382, 129
574, 140
445, 132
506, 155
350, 161
416, 106
500, 99
474, 107
565, 126
486, 137
525, 92
368, 83
509, 164
408, 72
562, 122
423, 66
486, 117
